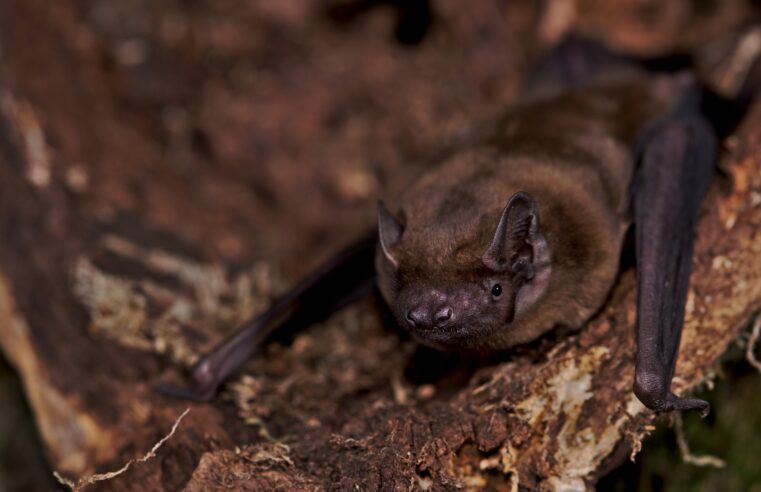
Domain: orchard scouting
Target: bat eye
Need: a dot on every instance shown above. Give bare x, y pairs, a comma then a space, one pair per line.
496, 291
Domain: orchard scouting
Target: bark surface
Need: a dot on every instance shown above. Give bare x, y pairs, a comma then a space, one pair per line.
168, 167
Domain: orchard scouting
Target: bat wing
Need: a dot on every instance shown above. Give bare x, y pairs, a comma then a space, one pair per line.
346, 277
677, 162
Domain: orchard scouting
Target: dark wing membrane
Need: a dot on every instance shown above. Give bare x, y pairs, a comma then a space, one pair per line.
346, 277
676, 167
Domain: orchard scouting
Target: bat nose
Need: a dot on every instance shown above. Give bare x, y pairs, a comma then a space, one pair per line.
421, 317
442, 316
418, 317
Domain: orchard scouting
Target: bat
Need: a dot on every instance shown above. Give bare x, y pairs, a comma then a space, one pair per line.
521, 229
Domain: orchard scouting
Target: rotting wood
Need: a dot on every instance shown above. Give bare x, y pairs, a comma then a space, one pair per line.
109, 218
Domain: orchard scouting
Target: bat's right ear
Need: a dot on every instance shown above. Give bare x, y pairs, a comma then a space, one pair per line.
517, 241
389, 231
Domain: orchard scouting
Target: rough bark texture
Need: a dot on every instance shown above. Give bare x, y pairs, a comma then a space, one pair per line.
166, 167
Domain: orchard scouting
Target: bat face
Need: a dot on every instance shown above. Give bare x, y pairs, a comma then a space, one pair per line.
457, 313
466, 305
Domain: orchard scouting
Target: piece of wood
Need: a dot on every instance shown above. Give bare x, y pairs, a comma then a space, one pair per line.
165, 172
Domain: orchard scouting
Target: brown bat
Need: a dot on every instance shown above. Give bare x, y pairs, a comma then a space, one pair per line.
521, 230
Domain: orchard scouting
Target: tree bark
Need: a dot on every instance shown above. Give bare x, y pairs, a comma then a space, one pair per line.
166, 168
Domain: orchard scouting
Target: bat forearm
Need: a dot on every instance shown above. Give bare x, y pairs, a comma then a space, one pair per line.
677, 166
346, 277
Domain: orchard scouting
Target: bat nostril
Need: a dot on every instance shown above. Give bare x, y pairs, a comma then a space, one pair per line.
443, 315
416, 317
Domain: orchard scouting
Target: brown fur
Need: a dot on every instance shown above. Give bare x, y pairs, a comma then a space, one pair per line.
572, 152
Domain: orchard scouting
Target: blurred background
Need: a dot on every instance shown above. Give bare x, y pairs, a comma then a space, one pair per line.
292, 117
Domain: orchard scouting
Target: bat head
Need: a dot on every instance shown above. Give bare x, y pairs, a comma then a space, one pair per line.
466, 306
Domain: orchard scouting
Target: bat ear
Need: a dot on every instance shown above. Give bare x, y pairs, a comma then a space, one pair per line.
516, 238
389, 231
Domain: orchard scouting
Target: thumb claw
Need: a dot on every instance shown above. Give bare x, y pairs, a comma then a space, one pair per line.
674, 402
182, 393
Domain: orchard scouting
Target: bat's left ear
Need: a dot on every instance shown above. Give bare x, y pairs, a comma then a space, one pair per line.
389, 232
517, 245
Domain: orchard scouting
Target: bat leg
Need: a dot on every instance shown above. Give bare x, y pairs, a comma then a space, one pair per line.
676, 166
346, 277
